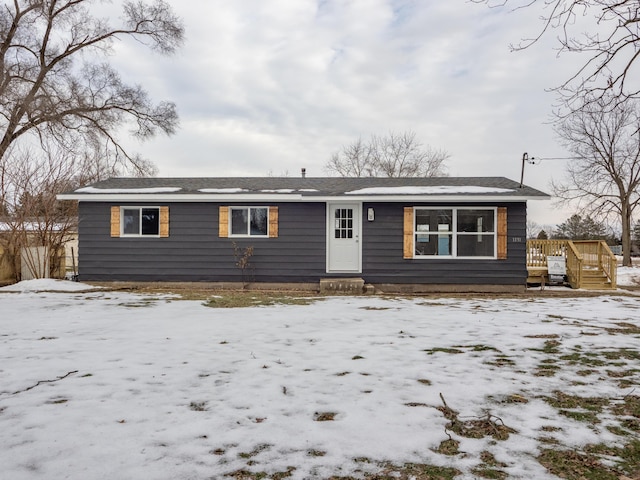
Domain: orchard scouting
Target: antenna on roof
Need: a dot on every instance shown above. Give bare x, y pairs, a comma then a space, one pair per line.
303, 172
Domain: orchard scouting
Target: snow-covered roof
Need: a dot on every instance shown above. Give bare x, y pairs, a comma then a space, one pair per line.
129, 190
418, 190
305, 189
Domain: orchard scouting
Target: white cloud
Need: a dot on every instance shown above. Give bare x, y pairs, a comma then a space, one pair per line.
273, 86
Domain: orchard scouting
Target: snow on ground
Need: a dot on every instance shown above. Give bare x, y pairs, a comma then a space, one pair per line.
628, 276
47, 285
106, 385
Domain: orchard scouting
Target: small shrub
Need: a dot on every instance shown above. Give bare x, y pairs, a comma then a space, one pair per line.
243, 257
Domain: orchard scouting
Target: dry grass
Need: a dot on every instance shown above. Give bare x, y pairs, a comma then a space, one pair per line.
255, 299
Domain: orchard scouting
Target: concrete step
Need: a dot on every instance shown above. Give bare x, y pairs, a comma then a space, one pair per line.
352, 286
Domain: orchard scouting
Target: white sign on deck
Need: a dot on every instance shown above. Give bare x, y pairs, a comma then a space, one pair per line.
556, 265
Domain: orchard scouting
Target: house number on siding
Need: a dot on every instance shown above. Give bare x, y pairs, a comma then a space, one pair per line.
516, 239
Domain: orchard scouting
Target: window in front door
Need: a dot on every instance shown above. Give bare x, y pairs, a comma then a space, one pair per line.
344, 223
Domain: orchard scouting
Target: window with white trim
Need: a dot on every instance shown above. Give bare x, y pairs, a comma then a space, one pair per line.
455, 232
249, 221
140, 221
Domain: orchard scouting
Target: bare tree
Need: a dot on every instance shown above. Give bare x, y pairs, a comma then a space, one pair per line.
533, 229
605, 177
56, 84
606, 30
395, 155
36, 226
355, 160
32, 219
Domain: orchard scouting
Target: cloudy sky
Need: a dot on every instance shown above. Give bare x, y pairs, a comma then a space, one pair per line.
271, 86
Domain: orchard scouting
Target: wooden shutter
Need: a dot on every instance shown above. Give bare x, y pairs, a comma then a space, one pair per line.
273, 222
223, 222
115, 221
164, 222
502, 233
408, 233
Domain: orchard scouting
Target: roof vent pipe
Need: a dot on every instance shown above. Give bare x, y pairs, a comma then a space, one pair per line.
303, 171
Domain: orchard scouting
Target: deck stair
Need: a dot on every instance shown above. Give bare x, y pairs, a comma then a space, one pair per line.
590, 264
595, 279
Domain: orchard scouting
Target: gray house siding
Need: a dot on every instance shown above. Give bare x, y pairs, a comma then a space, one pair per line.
383, 261
194, 251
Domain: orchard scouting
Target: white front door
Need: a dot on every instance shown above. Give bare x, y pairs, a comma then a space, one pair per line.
343, 243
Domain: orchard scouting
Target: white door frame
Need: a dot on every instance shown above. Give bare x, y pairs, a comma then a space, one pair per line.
357, 235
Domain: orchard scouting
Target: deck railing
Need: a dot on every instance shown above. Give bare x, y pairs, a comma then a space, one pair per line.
580, 255
575, 264
539, 250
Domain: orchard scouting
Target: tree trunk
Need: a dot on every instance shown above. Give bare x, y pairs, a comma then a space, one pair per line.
626, 233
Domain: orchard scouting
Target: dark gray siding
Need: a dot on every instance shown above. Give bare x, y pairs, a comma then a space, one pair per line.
382, 255
194, 252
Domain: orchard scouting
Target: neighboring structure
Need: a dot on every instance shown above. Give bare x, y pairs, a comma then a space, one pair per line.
418, 234
6, 267
24, 257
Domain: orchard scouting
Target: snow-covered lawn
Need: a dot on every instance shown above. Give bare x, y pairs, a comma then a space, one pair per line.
628, 276
107, 385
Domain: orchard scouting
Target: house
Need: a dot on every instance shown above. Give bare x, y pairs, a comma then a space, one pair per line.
409, 234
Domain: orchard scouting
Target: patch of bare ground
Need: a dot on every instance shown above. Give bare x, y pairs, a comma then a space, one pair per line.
572, 465
490, 467
594, 462
324, 416
248, 475
475, 427
625, 328
407, 471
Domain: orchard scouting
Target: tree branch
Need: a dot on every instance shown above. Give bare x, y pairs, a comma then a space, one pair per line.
57, 379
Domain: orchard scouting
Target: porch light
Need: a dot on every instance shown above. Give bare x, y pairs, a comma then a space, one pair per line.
370, 214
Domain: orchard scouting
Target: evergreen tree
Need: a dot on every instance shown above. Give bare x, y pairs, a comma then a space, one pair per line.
636, 234
580, 228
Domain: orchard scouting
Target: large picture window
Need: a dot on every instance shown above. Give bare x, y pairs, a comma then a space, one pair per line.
454, 232
249, 221
140, 221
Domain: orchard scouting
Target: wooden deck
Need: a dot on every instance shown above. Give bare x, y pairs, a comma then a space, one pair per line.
590, 263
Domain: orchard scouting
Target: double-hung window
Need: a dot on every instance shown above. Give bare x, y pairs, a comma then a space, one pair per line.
140, 221
249, 221
454, 232
254, 222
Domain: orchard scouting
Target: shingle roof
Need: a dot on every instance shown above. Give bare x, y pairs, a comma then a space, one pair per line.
314, 186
